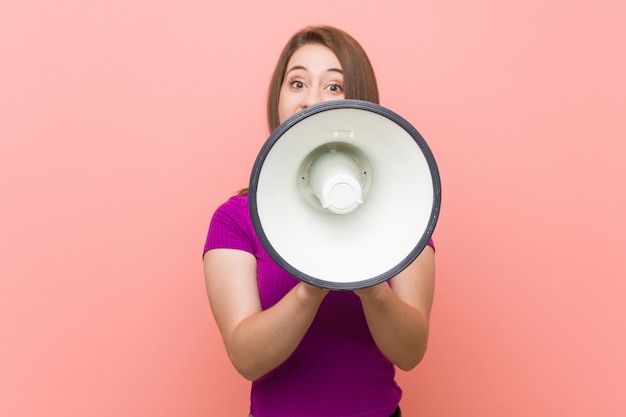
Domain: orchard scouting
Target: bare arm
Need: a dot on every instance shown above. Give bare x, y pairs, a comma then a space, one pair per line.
256, 340
398, 315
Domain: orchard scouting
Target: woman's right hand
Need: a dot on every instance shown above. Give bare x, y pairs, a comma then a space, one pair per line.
311, 294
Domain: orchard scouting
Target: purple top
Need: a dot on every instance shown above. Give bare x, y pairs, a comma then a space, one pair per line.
337, 370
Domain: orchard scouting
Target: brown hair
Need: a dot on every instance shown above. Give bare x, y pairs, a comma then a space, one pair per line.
359, 77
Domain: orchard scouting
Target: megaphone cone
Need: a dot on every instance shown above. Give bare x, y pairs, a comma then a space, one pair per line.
345, 194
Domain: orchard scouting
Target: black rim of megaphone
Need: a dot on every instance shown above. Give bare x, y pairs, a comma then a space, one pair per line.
308, 112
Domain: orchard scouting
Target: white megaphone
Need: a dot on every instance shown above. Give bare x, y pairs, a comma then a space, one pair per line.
344, 194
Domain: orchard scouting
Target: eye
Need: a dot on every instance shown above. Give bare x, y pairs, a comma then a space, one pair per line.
335, 88
297, 84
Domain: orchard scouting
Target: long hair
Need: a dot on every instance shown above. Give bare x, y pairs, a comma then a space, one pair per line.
359, 78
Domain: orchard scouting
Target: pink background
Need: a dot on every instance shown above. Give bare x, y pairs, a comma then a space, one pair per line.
123, 124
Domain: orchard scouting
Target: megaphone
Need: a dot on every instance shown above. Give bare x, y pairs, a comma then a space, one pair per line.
344, 194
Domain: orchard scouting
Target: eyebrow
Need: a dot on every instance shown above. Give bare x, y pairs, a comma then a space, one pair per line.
300, 67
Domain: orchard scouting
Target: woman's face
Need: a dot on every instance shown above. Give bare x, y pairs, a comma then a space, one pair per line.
313, 75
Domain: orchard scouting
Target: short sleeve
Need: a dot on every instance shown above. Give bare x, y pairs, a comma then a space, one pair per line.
231, 227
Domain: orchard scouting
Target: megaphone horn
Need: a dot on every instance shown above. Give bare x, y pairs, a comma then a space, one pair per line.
344, 194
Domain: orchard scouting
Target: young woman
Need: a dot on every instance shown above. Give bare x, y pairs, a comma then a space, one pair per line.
310, 352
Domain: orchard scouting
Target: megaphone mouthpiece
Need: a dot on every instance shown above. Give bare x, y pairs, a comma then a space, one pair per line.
334, 180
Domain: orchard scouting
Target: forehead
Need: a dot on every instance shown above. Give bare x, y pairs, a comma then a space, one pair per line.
314, 56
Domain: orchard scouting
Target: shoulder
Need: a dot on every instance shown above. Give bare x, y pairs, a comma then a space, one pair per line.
236, 202
236, 206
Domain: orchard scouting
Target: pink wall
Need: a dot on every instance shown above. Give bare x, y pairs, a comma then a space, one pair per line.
124, 124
